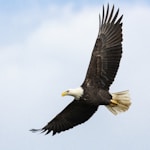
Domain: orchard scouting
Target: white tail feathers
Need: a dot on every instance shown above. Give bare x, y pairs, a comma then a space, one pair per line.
120, 102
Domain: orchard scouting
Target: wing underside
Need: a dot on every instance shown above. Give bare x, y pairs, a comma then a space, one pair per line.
107, 51
75, 113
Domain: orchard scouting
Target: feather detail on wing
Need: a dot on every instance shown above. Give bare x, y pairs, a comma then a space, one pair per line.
75, 113
107, 51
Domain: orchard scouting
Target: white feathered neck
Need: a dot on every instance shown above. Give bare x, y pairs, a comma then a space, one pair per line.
76, 93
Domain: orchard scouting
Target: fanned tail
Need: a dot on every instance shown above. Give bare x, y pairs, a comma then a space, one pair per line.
120, 102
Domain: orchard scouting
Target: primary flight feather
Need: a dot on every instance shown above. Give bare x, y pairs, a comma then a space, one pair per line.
101, 72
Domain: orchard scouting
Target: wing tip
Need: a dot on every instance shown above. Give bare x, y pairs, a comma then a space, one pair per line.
42, 131
35, 130
108, 17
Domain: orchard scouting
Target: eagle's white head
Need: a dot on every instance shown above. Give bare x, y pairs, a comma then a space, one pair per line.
76, 93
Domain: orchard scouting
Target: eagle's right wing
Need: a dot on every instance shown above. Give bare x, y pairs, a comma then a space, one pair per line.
107, 51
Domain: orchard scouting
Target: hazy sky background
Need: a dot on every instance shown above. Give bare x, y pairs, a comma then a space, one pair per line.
45, 48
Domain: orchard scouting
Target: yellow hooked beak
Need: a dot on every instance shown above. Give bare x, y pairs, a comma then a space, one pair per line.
64, 93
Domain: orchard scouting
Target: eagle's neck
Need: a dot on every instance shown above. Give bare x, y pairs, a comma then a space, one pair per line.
76, 93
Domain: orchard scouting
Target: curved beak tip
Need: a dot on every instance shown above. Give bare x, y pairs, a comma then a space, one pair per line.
64, 94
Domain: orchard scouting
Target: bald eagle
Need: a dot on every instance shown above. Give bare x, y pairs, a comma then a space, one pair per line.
101, 72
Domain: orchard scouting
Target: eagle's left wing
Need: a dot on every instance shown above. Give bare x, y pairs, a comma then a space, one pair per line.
75, 113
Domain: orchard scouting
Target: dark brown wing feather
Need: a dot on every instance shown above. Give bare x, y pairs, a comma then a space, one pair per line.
75, 113
107, 51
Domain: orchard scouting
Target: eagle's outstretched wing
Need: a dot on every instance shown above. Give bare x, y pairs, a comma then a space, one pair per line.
75, 113
107, 51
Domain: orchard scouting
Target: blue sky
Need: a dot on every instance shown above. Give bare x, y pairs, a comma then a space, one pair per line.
45, 48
